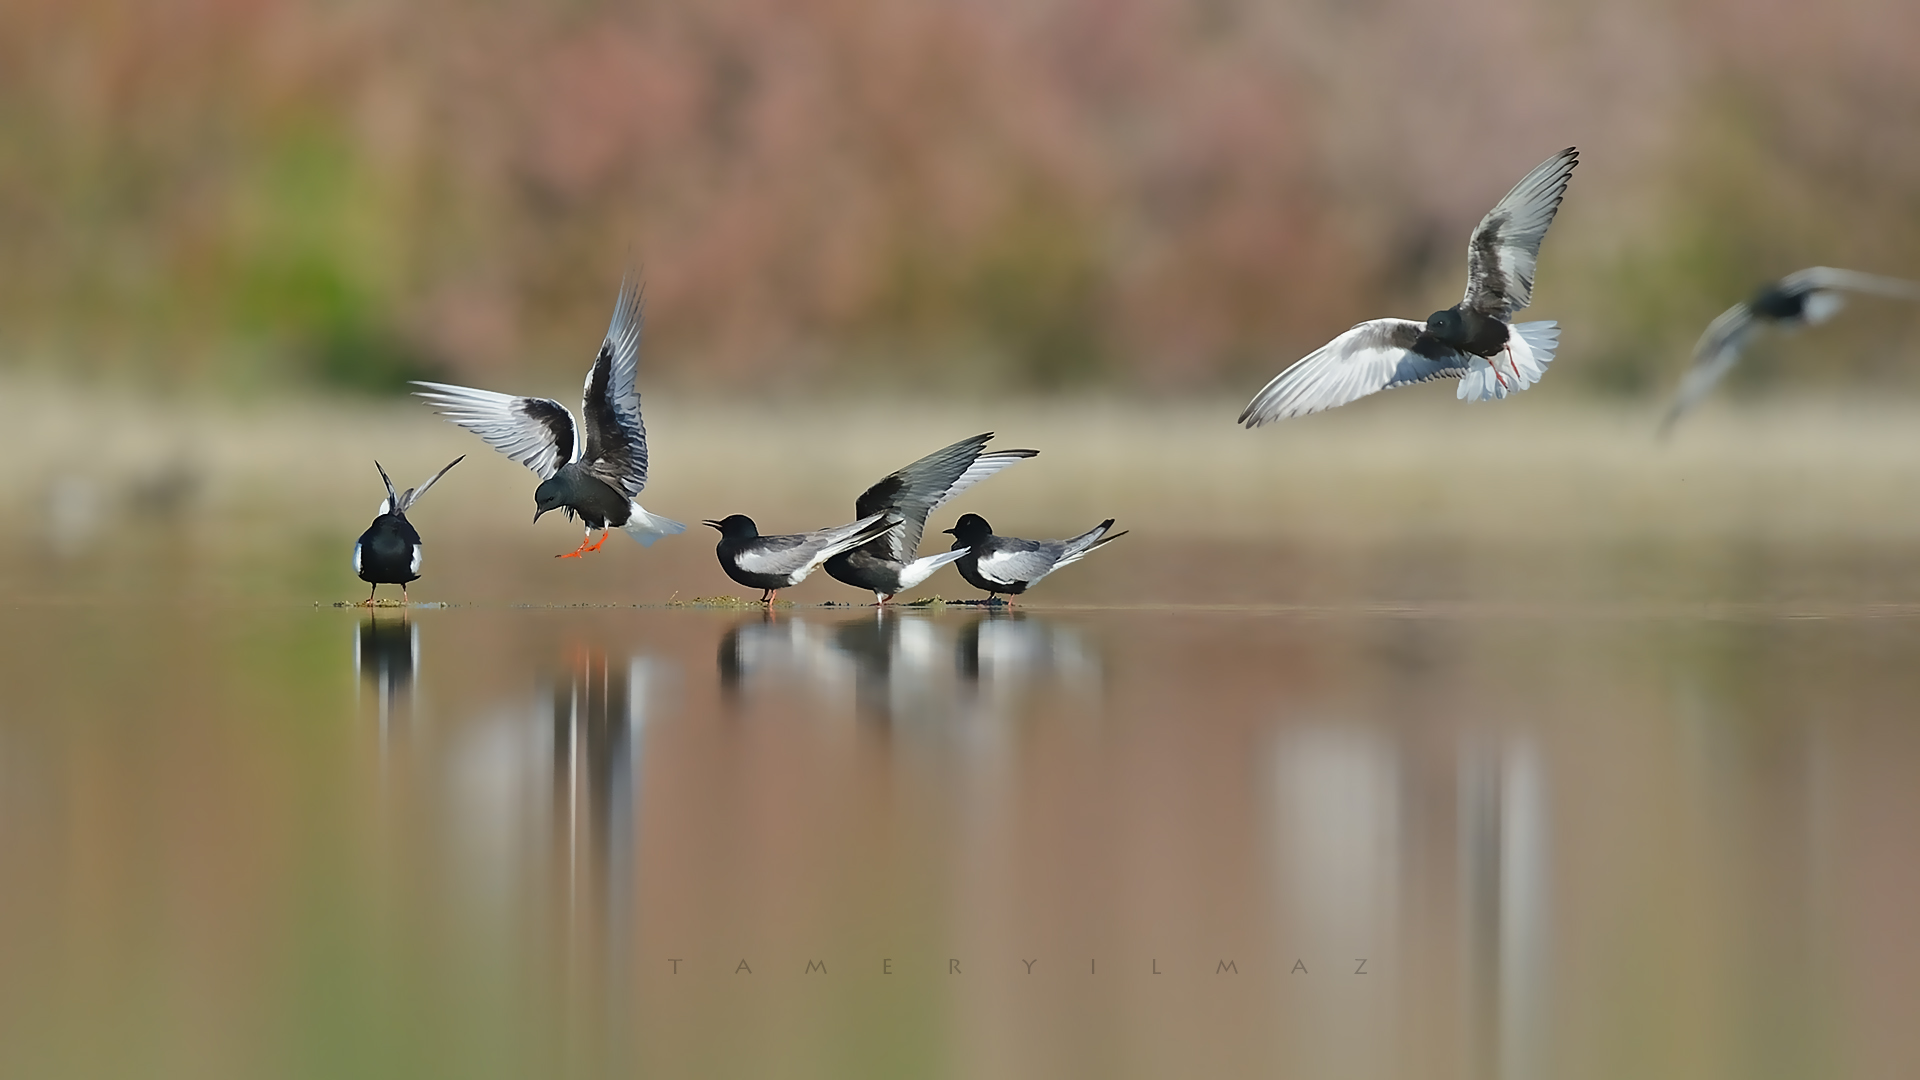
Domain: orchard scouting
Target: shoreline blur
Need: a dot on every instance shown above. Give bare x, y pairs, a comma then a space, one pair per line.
1414, 463
1409, 498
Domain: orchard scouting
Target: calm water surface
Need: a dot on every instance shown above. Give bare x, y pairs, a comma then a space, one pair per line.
1369, 838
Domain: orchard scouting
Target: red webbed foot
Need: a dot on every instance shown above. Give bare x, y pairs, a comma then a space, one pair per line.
583, 548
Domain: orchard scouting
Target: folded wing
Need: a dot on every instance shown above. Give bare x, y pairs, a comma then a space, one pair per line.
1371, 357
801, 552
1013, 560
1010, 560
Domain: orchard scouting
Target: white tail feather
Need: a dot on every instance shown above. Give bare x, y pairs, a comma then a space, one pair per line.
1529, 350
920, 570
647, 528
1821, 305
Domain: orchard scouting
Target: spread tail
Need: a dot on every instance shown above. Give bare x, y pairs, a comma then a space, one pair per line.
1529, 350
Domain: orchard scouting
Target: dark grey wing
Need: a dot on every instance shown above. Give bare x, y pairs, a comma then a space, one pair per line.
1713, 356
536, 432
919, 489
1371, 357
616, 440
1009, 560
1504, 248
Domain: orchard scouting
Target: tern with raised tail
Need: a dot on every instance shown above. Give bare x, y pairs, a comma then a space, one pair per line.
1009, 565
388, 553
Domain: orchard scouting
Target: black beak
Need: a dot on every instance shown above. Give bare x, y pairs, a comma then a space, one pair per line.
711, 524
537, 513
951, 532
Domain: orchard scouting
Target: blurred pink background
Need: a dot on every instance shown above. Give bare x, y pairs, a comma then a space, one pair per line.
1141, 193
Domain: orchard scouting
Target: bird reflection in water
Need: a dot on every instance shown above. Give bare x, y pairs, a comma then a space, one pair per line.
1340, 790
1350, 800
544, 792
1503, 853
906, 666
901, 665
599, 711
1006, 650
386, 653
766, 644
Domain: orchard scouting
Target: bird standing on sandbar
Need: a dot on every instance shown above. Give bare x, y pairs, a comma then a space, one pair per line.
1803, 298
1474, 341
597, 479
772, 563
1006, 564
388, 553
887, 566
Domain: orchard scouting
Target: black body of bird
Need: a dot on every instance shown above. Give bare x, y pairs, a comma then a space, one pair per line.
1468, 331
1779, 302
1010, 565
582, 495
388, 553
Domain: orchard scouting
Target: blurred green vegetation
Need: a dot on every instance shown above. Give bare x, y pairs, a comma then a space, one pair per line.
1746, 202
313, 277
301, 193
1037, 291
1024, 298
